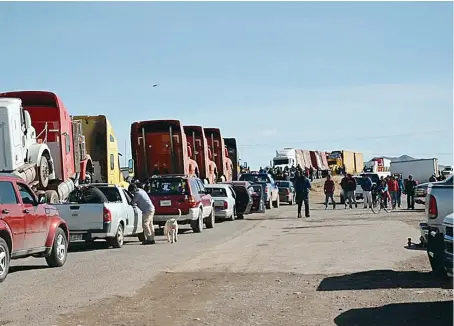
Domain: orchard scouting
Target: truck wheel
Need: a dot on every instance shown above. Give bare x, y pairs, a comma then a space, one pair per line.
118, 240
52, 197
43, 172
57, 257
210, 220
4, 260
276, 203
197, 225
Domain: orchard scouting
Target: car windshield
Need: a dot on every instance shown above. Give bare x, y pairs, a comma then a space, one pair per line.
254, 178
168, 186
283, 184
216, 192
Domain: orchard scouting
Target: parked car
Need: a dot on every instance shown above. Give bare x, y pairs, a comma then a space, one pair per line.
112, 221
28, 226
286, 191
271, 190
420, 193
258, 198
448, 257
243, 191
224, 200
174, 193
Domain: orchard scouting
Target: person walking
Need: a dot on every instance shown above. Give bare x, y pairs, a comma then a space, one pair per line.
393, 187
302, 187
410, 191
343, 184
366, 185
143, 202
401, 190
328, 188
350, 191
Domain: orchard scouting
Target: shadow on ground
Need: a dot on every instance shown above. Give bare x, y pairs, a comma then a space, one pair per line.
24, 268
400, 314
382, 279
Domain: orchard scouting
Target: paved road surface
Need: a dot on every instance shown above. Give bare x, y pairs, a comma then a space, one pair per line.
264, 270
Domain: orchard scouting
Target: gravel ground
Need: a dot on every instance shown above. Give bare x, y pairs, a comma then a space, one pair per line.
340, 267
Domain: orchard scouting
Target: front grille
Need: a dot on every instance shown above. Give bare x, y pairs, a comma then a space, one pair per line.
449, 231
448, 247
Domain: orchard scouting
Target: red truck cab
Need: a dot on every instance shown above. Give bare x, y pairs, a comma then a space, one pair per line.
220, 153
28, 226
160, 147
201, 153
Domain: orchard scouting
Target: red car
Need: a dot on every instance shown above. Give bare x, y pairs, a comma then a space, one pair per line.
174, 193
28, 226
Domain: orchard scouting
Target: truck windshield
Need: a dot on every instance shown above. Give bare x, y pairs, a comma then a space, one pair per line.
217, 192
168, 186
280, 161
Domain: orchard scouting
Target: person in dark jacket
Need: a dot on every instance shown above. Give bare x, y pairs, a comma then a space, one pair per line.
366, 185
350, 191
328, 188
343, 184
401, 189
410, 191
302, 187
92, 195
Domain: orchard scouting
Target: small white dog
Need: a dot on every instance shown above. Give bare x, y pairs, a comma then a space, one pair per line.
171, 229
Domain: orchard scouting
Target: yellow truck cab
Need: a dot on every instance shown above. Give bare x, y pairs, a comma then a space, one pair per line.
103, 147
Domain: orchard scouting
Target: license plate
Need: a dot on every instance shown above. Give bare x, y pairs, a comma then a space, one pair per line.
165, 202
75, 237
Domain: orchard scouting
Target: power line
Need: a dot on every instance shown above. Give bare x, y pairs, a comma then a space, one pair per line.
348, 139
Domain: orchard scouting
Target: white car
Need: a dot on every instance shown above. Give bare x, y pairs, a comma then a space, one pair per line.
224, 200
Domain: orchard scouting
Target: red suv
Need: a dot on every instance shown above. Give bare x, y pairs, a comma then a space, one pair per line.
172, 194
28, 227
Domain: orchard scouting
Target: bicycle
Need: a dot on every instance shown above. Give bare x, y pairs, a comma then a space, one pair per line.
379, 203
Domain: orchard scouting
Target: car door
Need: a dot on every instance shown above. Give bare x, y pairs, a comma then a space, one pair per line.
274, 188
11, 213
35, 218
132, 219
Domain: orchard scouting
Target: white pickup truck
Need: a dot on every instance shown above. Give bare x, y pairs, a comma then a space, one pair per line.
112, 221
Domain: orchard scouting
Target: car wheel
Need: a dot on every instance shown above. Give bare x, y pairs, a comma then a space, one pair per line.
210, 220
276, 203
119, 239
57, 257
4, 260
197, 225
435, 252
43, 172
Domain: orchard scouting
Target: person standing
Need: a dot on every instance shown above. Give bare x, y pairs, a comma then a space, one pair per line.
329, 191
343, 183
366, 185
143, 202
410, 191
393, 187
302, 187
401, 190
350, 194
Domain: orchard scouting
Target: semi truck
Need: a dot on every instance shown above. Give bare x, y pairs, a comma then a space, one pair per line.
359, 163
232, 149
318, 163
102, 145
201, 153
342, 159
42, 144
421, 169
378, 164
284, 158
220, 153
160, 147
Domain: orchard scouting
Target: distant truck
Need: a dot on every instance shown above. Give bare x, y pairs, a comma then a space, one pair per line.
285, 158
421, 169
42, 144
232, 149
221, 155
359, 163
318, 163
160, 147
344, 160
201, 153
102, 146
378, 164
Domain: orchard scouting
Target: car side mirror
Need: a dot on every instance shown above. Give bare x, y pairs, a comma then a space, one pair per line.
42, 199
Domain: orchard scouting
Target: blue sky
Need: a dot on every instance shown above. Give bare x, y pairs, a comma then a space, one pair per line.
370, 77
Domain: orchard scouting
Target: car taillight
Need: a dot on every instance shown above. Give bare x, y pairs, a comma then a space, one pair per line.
192, 202
433, 212
107, 215
226, 205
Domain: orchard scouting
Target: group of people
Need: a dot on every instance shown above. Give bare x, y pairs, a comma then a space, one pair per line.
288, 173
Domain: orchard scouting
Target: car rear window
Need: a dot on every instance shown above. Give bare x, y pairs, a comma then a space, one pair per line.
168, 186
79, 195
111, 193
255, 178
217, 192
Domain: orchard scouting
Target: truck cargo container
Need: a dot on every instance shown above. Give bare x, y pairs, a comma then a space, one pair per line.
43, 145
220, 153
232, 149
201, 153
160, 147
421, 169
359, 163
342, 159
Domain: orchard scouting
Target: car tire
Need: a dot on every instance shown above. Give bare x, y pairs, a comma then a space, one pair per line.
43, 172
276, 203
435, 252
209, 223
4, 260
119, 239
197, 225
59, 252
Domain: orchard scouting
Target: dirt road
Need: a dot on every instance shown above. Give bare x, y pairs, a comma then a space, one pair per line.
340, 267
